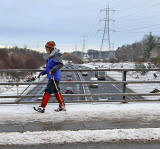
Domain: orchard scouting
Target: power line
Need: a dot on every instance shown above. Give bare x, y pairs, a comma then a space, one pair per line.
139, 20
125, 32
75, 47
152, 17
84, 43
144, 27
117, 31
112, 2
120, 4
133, 6
154, 5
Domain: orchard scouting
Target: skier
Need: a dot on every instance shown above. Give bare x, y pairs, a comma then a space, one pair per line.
53, 66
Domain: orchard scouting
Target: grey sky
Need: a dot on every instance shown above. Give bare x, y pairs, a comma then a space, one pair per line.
33, 22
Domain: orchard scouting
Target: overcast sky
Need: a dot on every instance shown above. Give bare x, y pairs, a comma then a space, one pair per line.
32, 23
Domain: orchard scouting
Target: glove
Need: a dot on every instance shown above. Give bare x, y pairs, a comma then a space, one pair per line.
39, 75
31, 79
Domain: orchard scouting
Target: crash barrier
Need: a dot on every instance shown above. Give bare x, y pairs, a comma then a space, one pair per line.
122, 74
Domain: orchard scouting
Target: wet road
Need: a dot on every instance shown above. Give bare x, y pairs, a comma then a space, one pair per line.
82, 125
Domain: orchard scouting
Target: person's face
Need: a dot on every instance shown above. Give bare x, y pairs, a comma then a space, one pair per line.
47, 50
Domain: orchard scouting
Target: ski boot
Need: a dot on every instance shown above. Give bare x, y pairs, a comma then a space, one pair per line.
39, 109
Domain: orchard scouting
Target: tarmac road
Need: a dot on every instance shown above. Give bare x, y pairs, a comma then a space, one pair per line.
82, 125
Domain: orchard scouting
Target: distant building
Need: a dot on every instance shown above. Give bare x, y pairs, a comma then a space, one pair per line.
108, 54
96, 54
156, 50
154, 53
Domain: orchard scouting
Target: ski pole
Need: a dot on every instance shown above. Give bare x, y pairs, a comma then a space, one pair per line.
25, 90
56, 86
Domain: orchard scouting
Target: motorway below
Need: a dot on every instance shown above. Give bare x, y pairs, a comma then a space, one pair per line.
102, 88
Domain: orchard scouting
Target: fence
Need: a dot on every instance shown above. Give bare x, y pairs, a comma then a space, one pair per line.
120, 77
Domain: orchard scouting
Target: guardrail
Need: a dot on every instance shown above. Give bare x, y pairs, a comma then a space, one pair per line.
124, 83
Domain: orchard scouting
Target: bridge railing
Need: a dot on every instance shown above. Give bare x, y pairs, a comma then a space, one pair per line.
124, 82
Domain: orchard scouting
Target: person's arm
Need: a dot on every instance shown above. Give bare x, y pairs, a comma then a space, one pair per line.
42, 73
57, 67
58, 63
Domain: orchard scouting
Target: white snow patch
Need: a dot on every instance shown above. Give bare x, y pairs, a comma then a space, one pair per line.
80, 112
61, 137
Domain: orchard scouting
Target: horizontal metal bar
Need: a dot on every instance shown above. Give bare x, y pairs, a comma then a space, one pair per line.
80, 82
87, 95
71, 101
88, 70
20, 70
82, 101
39, 70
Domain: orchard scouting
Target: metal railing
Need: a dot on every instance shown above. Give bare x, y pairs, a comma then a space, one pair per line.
123, 93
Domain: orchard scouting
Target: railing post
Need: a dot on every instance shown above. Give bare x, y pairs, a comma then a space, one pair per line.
124, 86
17, 90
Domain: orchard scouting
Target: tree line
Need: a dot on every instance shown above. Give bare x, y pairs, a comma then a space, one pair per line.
72, 57
139, 51
20, 58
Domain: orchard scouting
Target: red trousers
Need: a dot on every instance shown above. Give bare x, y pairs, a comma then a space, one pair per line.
58, 96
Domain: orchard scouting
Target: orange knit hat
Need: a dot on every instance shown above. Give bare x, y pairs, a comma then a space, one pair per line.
50, 44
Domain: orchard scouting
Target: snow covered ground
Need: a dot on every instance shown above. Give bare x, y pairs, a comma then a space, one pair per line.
75, 113
83, 136
19, 113
131, 76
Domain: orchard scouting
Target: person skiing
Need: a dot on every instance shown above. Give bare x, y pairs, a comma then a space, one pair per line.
53, 65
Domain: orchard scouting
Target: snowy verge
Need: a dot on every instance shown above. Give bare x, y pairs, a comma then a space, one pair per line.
81, 112
83, 136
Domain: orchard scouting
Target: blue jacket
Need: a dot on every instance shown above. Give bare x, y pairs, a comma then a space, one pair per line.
53, 65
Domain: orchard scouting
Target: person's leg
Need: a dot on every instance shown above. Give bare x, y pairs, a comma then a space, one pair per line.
59, 97
46, 97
